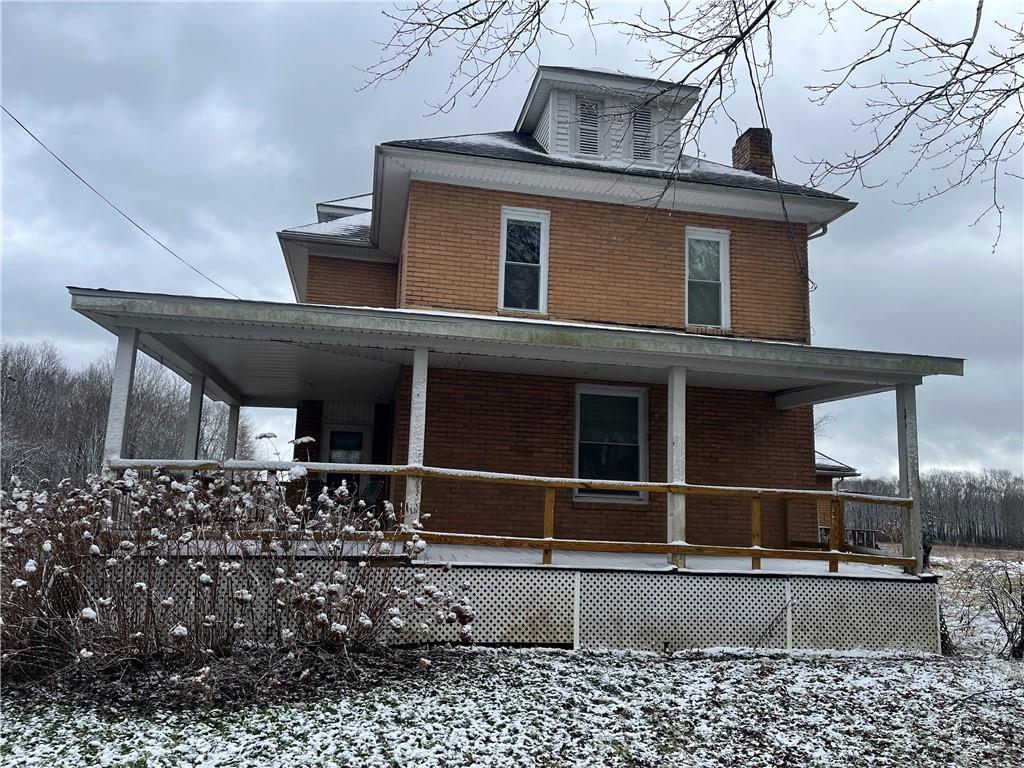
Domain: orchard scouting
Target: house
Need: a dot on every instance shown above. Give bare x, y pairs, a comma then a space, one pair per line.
568, 330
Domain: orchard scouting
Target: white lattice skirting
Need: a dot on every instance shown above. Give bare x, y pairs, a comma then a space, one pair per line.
678, 610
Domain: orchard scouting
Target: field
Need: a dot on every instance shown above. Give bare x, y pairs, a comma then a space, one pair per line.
701, 709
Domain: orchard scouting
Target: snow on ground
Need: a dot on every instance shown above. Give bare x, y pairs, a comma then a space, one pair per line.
488, 707
560, 708
462, 554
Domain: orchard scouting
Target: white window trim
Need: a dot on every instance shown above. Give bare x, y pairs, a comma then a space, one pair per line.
643, 415
722, 236
526, 214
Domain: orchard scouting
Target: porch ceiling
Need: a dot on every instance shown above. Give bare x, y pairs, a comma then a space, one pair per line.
274, 354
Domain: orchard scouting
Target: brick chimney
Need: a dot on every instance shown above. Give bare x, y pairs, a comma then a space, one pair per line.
753, 151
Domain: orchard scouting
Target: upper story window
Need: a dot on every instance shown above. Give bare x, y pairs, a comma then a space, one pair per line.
588, 120
707, 277
524, 260
611, 437
642, 136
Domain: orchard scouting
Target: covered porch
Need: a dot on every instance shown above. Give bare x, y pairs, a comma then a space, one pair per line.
372, 373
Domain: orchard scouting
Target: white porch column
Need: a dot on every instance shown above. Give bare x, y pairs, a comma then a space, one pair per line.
194, 418
115, 444
231, 443
910, 472
677, 457
417, 432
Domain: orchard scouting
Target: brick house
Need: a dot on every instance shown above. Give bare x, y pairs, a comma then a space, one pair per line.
572, 298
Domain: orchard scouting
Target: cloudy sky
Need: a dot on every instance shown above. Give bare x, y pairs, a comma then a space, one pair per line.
217, 125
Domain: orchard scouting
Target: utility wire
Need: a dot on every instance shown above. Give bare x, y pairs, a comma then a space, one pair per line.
125, 215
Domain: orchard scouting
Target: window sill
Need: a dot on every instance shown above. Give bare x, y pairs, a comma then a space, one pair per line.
533, 313
582, 502
709, 330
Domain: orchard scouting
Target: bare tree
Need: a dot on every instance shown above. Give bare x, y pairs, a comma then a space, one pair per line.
54, 417
954, 101
822, 421
958, 506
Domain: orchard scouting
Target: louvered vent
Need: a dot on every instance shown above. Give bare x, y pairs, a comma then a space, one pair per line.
642, 143
589, 126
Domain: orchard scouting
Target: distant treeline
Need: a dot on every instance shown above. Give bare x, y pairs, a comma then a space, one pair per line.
958, 507
53, 418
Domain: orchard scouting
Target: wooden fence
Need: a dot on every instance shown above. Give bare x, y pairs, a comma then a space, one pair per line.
835, 555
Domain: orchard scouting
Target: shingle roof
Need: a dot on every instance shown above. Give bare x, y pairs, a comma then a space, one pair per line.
353, 201
829, 466
356, 227
509, 145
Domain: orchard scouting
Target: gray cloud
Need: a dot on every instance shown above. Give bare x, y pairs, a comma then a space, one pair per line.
216, 125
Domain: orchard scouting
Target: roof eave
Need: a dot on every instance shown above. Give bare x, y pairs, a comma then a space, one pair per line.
440, 328
831, 208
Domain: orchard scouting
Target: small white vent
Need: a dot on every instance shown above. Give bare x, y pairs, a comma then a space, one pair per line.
642, 143
589, 119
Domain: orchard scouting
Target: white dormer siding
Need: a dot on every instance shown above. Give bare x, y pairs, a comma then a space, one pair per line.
543, 132
565, 130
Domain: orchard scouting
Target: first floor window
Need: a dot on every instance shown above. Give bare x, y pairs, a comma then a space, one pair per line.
611, 437
524, 259
707, 277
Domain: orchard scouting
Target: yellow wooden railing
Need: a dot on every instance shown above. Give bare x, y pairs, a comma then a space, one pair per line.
549, 544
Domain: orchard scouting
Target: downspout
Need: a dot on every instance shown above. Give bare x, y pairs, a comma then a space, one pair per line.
820, 232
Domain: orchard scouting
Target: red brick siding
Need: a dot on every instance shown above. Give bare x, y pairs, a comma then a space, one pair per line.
349, 282
739, 438
509, 423
753, 151
608, 263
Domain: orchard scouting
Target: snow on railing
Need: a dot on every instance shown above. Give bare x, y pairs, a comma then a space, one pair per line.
836, 499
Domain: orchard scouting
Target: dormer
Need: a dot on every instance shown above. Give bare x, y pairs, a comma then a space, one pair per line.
589, 114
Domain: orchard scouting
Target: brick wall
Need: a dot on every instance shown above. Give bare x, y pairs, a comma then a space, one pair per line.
510, 423
350, 282
608, 263
753, 151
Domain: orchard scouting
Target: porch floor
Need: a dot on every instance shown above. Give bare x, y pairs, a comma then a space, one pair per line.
461, 554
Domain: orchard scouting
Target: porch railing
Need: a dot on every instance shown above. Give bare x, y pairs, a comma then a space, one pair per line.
549, 544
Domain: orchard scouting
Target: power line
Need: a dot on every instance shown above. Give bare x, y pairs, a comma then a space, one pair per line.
108, 202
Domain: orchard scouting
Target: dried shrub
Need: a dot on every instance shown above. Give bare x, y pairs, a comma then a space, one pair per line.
138, 571
984, 599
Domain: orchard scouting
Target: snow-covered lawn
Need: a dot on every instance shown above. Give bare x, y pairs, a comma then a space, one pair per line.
560, 708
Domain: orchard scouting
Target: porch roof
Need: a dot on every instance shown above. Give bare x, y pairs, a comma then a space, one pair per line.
265, 353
